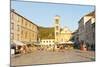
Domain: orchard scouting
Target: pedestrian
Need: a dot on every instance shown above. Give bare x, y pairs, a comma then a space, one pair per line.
81, 45
21, 49
53, 48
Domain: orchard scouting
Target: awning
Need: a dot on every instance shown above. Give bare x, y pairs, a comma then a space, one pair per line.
18, 43
69, 42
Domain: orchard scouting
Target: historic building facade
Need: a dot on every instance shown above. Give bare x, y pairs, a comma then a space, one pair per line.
87, 29
22, 29
48, 42
61, 34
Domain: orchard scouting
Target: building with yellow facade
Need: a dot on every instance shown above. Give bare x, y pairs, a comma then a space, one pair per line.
22, 29
61, 34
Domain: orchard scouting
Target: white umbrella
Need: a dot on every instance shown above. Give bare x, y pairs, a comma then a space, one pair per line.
69, 42
18, 43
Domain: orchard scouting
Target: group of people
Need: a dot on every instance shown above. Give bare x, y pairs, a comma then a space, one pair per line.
82, 45
22, 49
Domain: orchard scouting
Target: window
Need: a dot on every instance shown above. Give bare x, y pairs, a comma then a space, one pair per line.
57, 21
33, 35
26, 23
22, 21
22, 32
17, 18
12, 36
17, 36
47, 41
44, 41
57, 27
49, 44
56, 33
12, 25
26, 35
18, 28
12, 16
30, 26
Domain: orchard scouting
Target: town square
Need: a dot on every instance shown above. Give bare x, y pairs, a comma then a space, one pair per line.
50, 33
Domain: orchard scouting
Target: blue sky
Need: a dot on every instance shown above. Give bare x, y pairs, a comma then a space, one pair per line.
43, 14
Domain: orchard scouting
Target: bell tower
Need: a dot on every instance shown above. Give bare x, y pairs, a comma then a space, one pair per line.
57, 27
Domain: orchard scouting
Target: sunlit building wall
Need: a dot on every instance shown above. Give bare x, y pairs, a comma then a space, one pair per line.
22, 29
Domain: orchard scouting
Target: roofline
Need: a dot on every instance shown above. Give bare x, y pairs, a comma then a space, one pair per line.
86, 15
22, 17
89, 13
80, 19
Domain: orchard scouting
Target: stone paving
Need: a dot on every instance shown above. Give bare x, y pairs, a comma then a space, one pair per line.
50, 57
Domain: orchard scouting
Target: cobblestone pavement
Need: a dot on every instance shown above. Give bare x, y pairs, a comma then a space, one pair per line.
48, 57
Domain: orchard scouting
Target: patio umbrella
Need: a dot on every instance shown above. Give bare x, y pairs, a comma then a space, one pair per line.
18, 43
70, 42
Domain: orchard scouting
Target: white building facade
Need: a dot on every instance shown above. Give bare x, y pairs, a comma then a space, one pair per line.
48, 42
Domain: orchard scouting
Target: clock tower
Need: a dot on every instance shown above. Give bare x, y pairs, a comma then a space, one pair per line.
57, 27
